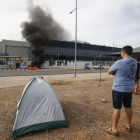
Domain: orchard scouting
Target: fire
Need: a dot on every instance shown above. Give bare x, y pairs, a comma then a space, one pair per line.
33, 68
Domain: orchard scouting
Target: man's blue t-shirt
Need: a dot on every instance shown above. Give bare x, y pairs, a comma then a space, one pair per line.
125, 70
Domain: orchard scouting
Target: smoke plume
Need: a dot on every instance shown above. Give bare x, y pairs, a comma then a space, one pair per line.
40, 28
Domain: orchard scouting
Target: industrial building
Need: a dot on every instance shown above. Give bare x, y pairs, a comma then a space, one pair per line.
16, 54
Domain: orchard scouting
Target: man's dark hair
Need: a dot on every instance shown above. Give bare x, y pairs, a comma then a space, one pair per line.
128, 49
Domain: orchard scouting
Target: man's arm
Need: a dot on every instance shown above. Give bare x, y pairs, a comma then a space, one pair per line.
110, 72
113, 69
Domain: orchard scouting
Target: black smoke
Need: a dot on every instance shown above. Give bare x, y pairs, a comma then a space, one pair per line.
39, 30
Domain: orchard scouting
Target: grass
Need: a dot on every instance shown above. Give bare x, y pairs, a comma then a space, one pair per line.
61, 82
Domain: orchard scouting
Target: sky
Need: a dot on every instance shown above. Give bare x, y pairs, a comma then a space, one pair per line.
100, 22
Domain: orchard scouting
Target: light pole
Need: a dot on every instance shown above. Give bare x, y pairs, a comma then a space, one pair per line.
75, 38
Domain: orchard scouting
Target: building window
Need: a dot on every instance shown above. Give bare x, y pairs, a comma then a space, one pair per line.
47, 49
73, 51
64, 51
78, 52
90, 53
86, 52
2, 62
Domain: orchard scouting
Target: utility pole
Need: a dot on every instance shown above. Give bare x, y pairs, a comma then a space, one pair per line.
100, 69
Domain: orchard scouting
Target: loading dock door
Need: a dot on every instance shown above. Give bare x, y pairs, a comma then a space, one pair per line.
17, 65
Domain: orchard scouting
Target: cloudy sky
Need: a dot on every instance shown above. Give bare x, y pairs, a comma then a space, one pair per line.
99, 21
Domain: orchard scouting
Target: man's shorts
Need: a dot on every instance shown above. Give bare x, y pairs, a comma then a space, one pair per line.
120, 98
137, 82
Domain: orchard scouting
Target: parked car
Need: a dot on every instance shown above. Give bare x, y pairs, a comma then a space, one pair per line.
99, 66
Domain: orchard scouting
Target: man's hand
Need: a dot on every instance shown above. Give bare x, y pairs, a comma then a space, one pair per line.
110, 72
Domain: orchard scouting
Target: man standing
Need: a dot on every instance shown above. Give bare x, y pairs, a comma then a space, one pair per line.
124, 71
136, 77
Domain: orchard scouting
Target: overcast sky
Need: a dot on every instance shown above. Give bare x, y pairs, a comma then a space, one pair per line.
99, 21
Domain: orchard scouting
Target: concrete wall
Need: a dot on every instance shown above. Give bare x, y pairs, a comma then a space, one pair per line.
70, 64
17, 51
1, 48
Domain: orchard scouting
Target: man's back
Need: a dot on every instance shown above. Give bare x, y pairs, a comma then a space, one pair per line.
125, 70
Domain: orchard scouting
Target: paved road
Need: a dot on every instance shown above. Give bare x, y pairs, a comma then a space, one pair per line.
54, 71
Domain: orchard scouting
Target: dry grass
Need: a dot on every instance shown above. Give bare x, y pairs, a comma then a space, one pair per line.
61, 82
86, 114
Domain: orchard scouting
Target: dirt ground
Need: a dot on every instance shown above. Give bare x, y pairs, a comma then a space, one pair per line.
86, 114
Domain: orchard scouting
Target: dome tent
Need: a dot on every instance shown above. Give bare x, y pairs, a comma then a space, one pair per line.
38, 109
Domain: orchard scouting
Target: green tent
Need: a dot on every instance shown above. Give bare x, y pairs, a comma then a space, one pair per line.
38, 109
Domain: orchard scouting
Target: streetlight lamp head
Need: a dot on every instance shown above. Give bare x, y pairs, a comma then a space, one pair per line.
72, 11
